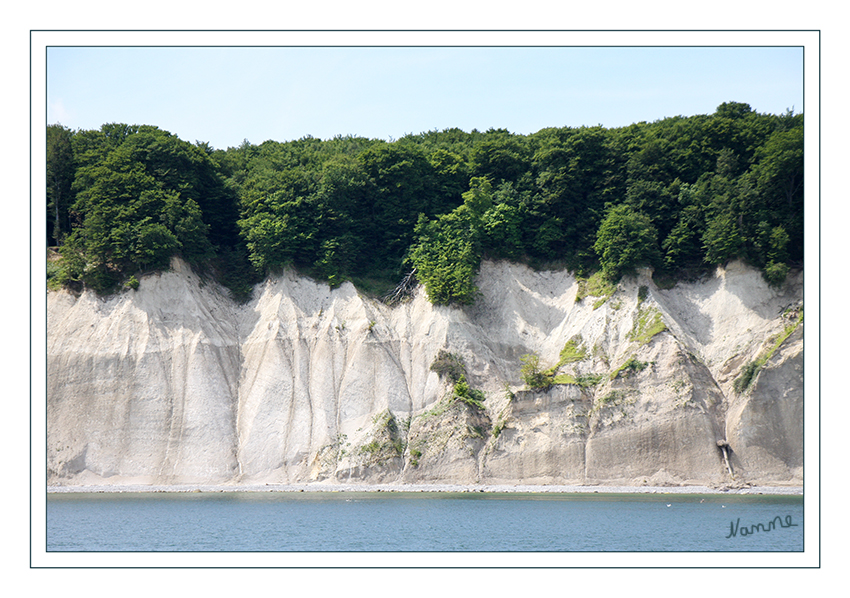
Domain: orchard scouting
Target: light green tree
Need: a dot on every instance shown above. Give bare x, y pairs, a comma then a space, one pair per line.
447, 252
626, 240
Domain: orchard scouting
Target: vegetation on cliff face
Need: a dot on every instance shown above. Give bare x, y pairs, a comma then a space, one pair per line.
750, 371
537, 378
678, 194
449, 365
386, 442
647, 324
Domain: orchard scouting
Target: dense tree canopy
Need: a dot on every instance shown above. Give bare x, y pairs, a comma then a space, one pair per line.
60, 177
677, 194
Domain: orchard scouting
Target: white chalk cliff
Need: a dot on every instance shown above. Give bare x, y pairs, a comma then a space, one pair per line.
174, 383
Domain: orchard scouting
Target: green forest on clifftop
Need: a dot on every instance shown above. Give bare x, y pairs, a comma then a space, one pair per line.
680, 195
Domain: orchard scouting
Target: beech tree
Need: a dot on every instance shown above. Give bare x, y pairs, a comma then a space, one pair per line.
447, 253
60, 177
135, 213
722, 239
626, 240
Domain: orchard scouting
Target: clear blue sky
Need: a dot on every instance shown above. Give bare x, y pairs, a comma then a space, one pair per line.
224, 95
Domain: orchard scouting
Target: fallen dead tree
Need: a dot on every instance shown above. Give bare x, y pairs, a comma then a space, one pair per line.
404, 290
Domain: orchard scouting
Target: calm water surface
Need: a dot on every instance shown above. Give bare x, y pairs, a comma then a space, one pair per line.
422, 522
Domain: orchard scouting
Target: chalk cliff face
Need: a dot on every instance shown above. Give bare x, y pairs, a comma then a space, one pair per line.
174, 383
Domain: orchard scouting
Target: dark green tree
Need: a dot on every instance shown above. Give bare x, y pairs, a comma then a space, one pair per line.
575, 178
500, 156
778, 177
451, 173
189, 170
683, 245
733, 110
658, 201
131, 215
282, 232
506, 233
402, 187
60, 177
722, 239
130, 223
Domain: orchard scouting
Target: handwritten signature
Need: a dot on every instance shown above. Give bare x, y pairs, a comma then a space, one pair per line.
735, 527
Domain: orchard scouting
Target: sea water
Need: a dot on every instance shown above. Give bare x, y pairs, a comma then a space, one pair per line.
422, 522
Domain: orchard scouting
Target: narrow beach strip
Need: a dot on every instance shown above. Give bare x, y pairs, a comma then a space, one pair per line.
440, 488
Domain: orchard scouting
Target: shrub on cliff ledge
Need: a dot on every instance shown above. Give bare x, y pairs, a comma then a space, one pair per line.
466, 394
448, 365
532, 375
